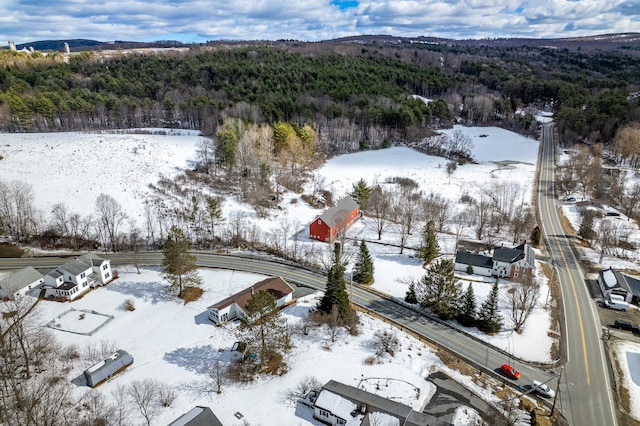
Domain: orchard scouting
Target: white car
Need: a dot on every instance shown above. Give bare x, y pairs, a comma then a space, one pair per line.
542, 389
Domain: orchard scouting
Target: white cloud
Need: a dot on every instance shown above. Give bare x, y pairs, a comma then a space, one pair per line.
30, 20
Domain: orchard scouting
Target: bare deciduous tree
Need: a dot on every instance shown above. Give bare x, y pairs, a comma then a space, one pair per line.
143, 394
385, 342
378, 209
218, 374
110, 216
522, 299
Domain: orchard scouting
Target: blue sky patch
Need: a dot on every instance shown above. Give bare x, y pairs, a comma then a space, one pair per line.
345, 4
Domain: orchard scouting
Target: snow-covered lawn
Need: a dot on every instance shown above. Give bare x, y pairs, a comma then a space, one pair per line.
176, 344
628, 356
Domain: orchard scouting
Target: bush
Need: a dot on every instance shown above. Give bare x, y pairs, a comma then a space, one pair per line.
128, 305
166, 395
385, 342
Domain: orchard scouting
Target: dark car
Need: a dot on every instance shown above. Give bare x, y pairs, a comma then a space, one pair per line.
510, 372
626, 325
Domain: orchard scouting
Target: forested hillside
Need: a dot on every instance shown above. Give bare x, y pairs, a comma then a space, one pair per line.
360, 91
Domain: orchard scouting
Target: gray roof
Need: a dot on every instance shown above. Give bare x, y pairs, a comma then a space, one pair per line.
468, 258
625, 282
82, 263
102, 370
197, 416
339, 212
373, 402
20, 279
502, 254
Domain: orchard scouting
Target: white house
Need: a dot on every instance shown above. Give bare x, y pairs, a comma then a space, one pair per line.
511, 263
20, 283
234, 306
613, 282
338, 404
77, 276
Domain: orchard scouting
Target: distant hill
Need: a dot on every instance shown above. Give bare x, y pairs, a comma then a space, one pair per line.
629, 41
84, 44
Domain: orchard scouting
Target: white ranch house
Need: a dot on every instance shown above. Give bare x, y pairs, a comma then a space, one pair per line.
233, 307
77, 276
20, 283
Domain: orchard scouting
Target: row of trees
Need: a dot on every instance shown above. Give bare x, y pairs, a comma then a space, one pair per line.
440, 292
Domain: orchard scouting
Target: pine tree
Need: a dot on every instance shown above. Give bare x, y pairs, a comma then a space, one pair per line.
489, 318
429, 248
439, 290
363, 269
586, 226
468, 310
361, 192
265, 330
336, 291
411, 297
178, 265
535, 236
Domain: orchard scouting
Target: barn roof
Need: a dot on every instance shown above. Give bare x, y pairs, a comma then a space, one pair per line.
336, 214
276, 286
20, 279
509, 255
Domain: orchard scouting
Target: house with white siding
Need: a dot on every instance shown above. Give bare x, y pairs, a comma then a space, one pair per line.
78, 276
613, 282
233, 307
511, 263
20, 283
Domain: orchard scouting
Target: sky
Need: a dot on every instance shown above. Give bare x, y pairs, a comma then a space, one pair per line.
24, 21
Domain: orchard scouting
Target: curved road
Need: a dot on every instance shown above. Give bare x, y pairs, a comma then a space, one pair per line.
585, 396
585, 391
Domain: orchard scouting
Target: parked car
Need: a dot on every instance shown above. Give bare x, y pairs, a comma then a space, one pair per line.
510, 372
626, 325
542, 389
570, 199
617, 305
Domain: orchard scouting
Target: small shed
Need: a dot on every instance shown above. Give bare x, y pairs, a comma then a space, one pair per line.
341, 216
107, 368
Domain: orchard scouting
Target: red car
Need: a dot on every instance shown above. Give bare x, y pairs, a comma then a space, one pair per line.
510, 372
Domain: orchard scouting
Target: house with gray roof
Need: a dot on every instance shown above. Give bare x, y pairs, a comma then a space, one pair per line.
612, 281
197, 416
78, 276
20, 283
512, 263
340, 404
339, 217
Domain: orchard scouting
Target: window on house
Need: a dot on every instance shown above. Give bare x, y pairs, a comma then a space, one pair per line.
341, 422
107, 275
324, 413
105, 266
82, 275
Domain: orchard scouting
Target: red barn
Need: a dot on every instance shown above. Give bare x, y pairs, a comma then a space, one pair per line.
340, 216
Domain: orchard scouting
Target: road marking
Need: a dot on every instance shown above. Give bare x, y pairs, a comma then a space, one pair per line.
573, 286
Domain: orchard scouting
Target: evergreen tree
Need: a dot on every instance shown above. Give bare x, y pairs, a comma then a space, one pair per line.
363, 269
586, 226
489, 318
468, 310
178, 265
265, 330
439, 290
535, 236
361, 192
411, 297
336, 291
429, 247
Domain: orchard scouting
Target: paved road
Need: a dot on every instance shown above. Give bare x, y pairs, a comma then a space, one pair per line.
585, 392
467, 348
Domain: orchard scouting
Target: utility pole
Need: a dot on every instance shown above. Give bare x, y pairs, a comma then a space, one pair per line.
553, 407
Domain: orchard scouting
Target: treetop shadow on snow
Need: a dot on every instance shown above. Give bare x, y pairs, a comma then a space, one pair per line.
149, 291
197, 359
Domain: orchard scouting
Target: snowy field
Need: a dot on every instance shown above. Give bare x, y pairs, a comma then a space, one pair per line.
176, 344
155, 332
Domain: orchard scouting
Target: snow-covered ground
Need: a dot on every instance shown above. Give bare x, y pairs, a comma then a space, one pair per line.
141, 158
